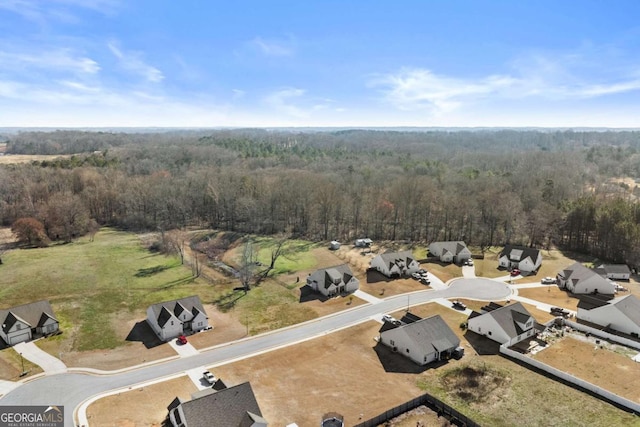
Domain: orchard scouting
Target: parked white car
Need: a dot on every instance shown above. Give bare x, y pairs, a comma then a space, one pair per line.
548, 281
209, 377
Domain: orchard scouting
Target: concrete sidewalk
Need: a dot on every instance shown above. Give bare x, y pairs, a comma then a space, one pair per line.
435, 282
196, 377
468, 271
183, 350
539, 305
33, 353
449, 304
367, 297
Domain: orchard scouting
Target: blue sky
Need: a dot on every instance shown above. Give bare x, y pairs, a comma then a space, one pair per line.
191, 63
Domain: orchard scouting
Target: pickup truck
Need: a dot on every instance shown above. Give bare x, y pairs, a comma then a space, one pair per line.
209, 377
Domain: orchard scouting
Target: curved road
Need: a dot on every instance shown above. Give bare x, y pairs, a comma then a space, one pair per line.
71, 389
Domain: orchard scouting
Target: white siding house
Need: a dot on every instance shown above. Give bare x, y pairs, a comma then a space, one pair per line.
615, 271
333, 281
170, 319
506, 325
456, 252
579, 279
620, 314
26, 322
424, 341
520, 257
395, 264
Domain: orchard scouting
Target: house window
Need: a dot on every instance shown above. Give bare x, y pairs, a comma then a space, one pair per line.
199, 323
407, 350
425, 358
479, 329
392, 343
172, 323
18, 326
489, 332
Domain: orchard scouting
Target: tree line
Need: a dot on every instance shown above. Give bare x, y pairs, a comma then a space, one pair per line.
487, 187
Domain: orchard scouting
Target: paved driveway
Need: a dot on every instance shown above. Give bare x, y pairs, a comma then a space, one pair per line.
33, 353
71, 389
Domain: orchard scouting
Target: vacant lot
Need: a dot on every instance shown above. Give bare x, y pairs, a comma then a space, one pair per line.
9, 159
550, 294
140, 407
315, 376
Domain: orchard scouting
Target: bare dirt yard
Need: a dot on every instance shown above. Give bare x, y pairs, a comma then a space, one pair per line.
380, 286
603, 365
300, 383
11, 365
551, 294
9, 159
139, 407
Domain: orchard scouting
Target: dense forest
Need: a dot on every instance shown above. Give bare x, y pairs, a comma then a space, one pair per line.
487, 187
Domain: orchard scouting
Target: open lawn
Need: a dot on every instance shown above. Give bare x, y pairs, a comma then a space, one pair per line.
444, 271
552, 295
602, 366
11, 365
301, 382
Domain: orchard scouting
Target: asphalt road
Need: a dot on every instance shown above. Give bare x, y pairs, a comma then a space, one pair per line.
71, 389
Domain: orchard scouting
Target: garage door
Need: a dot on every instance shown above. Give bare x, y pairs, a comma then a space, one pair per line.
18, 338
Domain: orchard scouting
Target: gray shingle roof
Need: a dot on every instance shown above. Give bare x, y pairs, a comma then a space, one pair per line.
432, 332
507, 317
232, 407
453, 247
391, 258
518, 253
339, 272
31, 314
188, 303
577, 272
616, 268
629, 306
588, 302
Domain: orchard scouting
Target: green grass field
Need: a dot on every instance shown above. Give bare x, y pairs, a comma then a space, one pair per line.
89, 283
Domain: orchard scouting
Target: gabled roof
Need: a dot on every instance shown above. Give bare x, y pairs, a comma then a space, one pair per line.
508, 318
430, 334
629, 306
616, 268
163, 310
339, 272
577, 272
453, 247
31, 314
232, 407
391, 258
589, 302
519, 253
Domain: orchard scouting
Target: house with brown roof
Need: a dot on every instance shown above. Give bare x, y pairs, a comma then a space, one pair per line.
232, 407
508, 324
183, 316
333, 280
28, 321
421, 340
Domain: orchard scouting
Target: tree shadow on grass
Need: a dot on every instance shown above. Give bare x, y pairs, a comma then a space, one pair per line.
481, 344
176, 282
147, 272
307, 294
396, 362
228, 301
142, 332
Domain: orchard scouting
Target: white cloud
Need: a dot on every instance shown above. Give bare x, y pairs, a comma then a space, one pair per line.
422, 89
59, 59
272, 48
281, 101
132, 62
41, 11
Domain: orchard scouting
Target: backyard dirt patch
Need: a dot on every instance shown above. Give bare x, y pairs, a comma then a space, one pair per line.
11, 365
380, 286
421, 416
601, 366
145, 406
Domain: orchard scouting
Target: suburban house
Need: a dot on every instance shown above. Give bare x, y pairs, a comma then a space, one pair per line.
28, 321
456, 252
620, 314
395, 264
232, 407
508, 324
614, 271
520, 257
170, 319
579, 279
423, 340
333, 280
